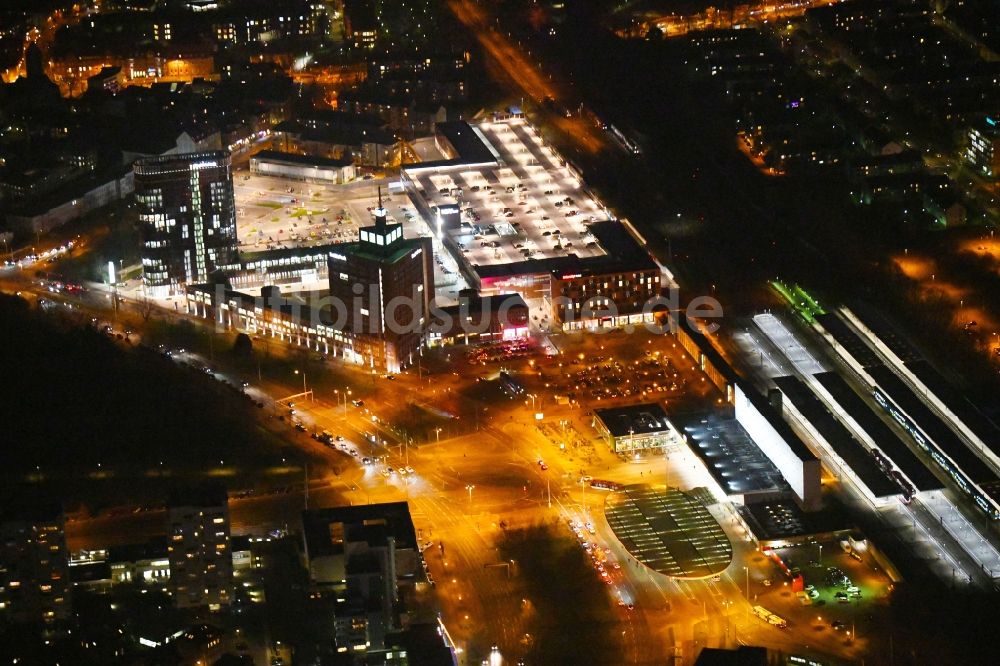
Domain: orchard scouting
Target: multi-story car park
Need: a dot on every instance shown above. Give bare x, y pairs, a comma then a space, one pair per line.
518, 218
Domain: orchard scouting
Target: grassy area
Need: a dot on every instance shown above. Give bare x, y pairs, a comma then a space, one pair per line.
806, 299
90, 417
799, 300
302, 212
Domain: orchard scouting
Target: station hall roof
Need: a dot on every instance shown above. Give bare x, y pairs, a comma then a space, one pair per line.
279, 157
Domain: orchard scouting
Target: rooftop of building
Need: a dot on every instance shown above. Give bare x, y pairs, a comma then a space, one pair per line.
292, 308
773, 417
744, 655
611, 250
158, 163
704, 343
74, 188
382, 254
316, 524
304, 253
337, 134
278, 156
365, 563
731, 457
783, 519
890, 159
338, 118
423, 644
844, 443
207, 494
470, 145
472, 302
671, 532
641, 419
154, 549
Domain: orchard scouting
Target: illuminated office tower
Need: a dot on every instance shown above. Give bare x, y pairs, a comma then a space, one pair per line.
188, 218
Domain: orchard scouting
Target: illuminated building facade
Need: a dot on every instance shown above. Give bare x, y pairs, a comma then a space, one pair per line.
983, 151
385, 284
188, 218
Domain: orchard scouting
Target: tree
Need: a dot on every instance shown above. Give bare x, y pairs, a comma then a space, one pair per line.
243, 346
145, 307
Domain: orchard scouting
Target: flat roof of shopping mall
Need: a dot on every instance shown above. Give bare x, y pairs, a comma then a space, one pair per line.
535, 213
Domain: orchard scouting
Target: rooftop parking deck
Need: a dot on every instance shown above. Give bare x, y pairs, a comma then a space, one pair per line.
527, 206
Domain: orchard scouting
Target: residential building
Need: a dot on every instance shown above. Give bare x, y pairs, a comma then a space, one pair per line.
366, 146
983, 151
34, 565
201, 564
109, 79
363, 553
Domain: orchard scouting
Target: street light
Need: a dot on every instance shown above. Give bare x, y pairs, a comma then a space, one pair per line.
346, 393
747, 570
470, 488
303, 380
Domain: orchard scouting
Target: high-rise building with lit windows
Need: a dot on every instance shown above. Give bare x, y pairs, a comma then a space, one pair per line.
199, 549
982, 151
188, 218
34, 566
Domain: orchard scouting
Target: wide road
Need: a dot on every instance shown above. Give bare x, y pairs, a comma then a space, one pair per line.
523, 76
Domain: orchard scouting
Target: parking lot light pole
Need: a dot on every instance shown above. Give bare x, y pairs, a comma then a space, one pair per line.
747, 570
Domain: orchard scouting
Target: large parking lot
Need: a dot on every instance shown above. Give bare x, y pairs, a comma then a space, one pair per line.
838, 589
531, 206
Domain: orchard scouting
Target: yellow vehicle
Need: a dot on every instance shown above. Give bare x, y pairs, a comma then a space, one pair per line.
769, 617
